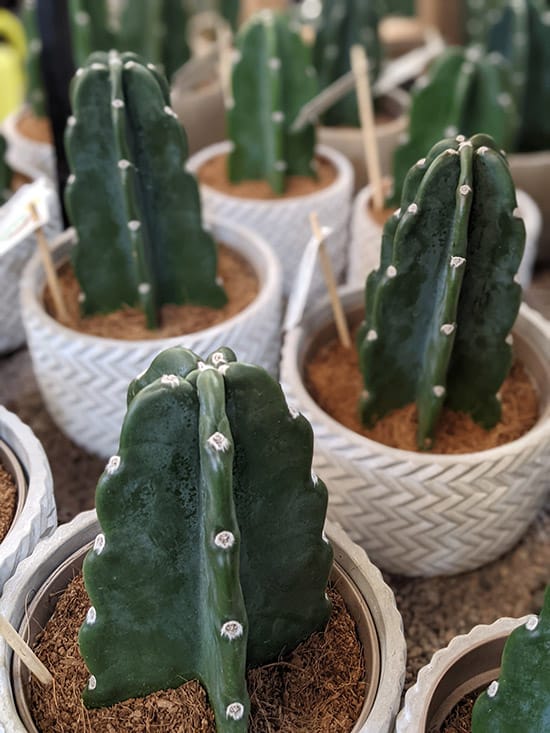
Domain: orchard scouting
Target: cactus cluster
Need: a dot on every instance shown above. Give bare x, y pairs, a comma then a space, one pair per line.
212, 556
344, 23
465, 92
520, 699
272, 79
35, 84
439, 310
142, 242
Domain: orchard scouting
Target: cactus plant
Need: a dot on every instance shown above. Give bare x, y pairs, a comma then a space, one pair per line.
272, 80
466, 92
35, 84
520, 700
345, 23
141, 240
212, 555
479, 16
5, 172
441, 305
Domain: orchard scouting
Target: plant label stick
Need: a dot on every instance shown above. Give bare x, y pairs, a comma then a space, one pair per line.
24, 652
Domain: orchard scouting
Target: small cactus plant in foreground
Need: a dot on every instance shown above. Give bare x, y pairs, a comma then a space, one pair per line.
439, 310
272, 78
136, 210
212, 556
520, 699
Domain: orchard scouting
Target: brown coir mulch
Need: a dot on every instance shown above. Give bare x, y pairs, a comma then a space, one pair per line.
459, 719
8, 501
319, 688
213, 173
239, 280
334, 381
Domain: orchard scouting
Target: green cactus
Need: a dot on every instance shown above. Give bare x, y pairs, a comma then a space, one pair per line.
272, 80
91, 29
5, 172
212, 556
522, 35
345, 23
466, 92
35, 83
440, 308
140, 238
520, 700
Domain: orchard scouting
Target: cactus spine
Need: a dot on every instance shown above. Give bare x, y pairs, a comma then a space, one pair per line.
212, 555
141, 242
272, 80
345, 23
466, 92
520, 700
35, 84
440, 307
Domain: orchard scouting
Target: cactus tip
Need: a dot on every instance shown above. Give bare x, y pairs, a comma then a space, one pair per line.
235, 711
231, 630
218, 442
112, 465
225, 540
465, 144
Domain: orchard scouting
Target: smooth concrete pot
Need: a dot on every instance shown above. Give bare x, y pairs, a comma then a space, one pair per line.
53, 565
366, 238
284, 223
423, 513
23, 457
31, 157
84, 379
531, 173
201, 112
470, 662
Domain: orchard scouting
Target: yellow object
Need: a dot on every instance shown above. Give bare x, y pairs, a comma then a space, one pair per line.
13, 49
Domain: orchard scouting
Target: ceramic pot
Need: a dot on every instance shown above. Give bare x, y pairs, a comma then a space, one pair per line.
284, 223
27, 156
424, 513
366, 238
23, 457
200, 111
368, 598
468, 663
84, 379
531, 173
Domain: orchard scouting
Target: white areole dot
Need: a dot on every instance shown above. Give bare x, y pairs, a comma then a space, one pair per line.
99, 543
314, 478
91, 616
71, 121
492, 689
293, 412
482, 150
465, 144
235, 711
218, 442
509, 339
123, 164
231, 630
450, 131
397, 213
151, 67
391, 272
71, 178
82, 18
421, 163
412, 209
504, 99
438, 390
117, 103
170, 112
465, 189
225, 540
218, 358
112, 465
35, 46
223, 369
81, 297
129, 64
372, 335
274, 63
170, 380
457, 262
144, 288
278, 116
447, 328
280, 165
532, 623
92, 683
134, 225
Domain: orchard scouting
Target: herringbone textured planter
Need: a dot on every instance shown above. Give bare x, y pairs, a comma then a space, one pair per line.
284, 223
27, 156
84, 379
38, 516
421, 513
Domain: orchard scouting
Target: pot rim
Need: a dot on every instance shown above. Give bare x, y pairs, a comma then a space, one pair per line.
9, 129
14, 467
291, 373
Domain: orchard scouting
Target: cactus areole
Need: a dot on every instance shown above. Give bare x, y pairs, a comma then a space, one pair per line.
440, 308
135, 209
520, 699
212, 556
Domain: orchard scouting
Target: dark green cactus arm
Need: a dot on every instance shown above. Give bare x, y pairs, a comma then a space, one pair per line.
174, 49
5, 172
90, 29
141, 29
520, 700
35, 84
272, 80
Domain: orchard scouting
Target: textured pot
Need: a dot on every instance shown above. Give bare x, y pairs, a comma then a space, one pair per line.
349, 142
25, 155
36, 515
531, 173
368, 598
366, 238
284, 223
423, 513
201, 112
84, 379
469, 662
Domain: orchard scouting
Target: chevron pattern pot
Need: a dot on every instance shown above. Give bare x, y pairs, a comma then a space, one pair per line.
423, 513
83, 379
36, 513
368, 598
25, 155
284, 223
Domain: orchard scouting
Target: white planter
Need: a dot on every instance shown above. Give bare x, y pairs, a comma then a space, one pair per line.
349, 141
531, 173
364, 578
423, 513
27, 156
366, 238
469, 662
36, 515
201, 112
284, 223
84, 379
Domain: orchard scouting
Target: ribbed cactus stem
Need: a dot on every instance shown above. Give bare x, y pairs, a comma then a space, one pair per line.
35, 84
90, 28
5, 172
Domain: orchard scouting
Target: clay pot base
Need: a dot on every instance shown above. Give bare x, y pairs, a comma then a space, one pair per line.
319, 687
335, 383
8, 501
239, 280
35, 128
213, 173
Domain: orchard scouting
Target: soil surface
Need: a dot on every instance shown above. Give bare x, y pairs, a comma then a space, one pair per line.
8, 501
460, 718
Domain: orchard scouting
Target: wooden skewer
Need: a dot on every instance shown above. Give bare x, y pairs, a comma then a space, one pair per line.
24, 652
225, 65
339, 315
360, 68
51, 275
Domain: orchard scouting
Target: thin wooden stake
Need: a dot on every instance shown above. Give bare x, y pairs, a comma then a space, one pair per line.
24, 652
360, 68
51, 275
224, 42
339, 315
